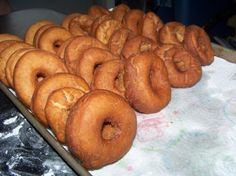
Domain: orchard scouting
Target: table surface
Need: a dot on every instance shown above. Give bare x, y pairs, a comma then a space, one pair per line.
22, 150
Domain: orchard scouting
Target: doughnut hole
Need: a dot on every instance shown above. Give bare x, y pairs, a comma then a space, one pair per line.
110, 130
40, 76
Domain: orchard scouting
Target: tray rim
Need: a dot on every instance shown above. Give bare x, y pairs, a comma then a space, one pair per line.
48, 137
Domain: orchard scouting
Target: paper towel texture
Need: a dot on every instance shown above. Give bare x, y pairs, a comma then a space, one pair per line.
195, 135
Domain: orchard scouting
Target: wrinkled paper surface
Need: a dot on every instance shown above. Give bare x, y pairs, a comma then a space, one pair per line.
194, 135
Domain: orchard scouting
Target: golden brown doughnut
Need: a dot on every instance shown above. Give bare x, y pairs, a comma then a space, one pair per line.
57, 108
32, 29
136, 45
132, 19
39, 32
106, 29
150, 26
66, 20
83, 22
6, 36
100, 129
146, 82
172, 33
6, 43
97, 22
198, 43
109, 76
4, 56
31, 68
61, 50
75, 50
52, 38
183, 69
10, 65
119, 12
75, 29
90, 60
97, 11
118, 40
50, 84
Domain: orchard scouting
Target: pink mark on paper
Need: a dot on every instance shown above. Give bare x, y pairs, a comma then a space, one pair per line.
130, 168
150, 129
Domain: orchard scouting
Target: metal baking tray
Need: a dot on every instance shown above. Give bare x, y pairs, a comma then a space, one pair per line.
46, 134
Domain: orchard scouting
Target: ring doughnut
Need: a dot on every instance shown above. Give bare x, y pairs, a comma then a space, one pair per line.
97, 22
31, 31
10, 65
37, 65
119, 12
50, 84
91, 59
97, 11
109, 76
132, 19
118, 40
106, 29
6, 43
183, 69
66, 20
150, 26
146, 83
106, 119
4, 56
75, 29
52, 38
6, 36
198, 43
172, 33
61, 51
39, 32
83, 22
57, 107
136, 45
76, 47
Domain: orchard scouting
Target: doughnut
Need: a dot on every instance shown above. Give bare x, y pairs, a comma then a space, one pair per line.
109, 76
97, 11
6, 36
66, 20
132, 19
90, 60
50, 84
4, 56
84, 22
172, 33
198, 43
106, 119
57, 108
75, 29
39, 32
183, 69
76, 48
119, 12
61, 51
10, 65
52, 38
97, 22
147, 86
6, 43
31, 68
106, 29
31, 31
150, 26
136, 45
118, 40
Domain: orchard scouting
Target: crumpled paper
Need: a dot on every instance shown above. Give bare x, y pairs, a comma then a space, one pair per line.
195, 135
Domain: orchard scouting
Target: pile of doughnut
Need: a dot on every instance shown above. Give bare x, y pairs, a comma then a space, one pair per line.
85, 78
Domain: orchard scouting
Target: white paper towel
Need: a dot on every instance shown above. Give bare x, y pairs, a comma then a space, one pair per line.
195, 135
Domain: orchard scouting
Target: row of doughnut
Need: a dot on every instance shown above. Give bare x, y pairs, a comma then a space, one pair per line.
81, 78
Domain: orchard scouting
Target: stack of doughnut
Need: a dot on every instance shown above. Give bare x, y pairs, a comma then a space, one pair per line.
85, 78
